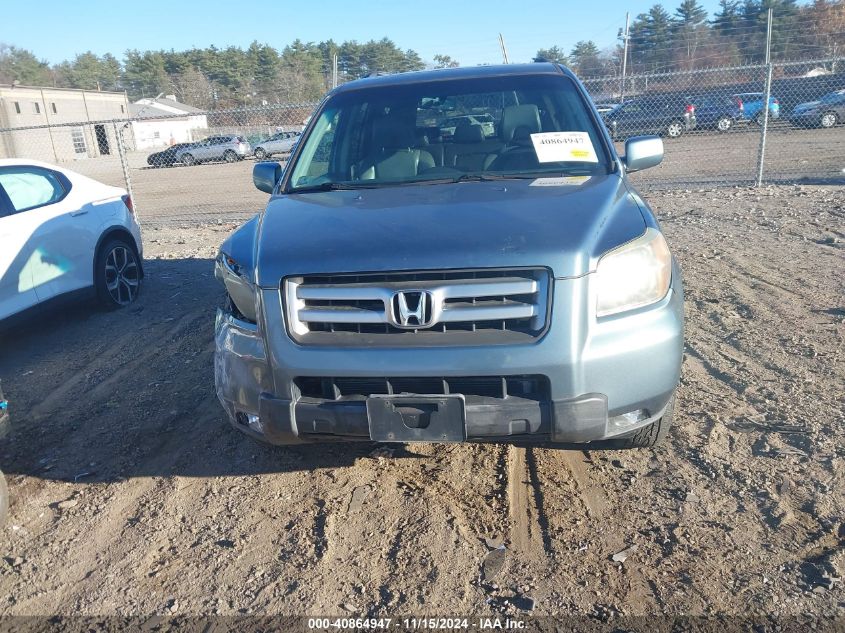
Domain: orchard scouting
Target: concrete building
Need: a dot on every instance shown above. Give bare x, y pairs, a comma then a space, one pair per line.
164, 121
64, 124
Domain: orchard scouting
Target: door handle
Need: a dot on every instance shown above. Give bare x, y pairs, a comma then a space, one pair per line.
80, 212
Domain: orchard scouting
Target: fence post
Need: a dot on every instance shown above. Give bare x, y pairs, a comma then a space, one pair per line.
761, 156
124, 163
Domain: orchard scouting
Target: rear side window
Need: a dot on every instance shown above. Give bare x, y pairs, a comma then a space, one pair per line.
31, 187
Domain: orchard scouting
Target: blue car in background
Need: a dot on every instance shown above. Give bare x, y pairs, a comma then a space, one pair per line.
752, 104
826, 112
716, 111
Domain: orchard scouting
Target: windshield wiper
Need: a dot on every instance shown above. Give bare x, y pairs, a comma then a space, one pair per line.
329, 186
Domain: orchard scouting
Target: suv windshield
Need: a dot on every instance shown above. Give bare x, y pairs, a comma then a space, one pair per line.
504, 127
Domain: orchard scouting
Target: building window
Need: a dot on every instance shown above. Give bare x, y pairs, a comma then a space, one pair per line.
78, 138
121, 109
17, 107
54, 107
37, 107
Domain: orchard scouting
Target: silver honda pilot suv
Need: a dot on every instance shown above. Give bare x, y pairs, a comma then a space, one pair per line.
405, 287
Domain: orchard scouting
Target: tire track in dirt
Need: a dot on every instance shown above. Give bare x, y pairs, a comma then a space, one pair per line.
590, 493
111, 353
528, 523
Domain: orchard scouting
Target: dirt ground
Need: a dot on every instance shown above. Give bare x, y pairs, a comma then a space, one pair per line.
131, 494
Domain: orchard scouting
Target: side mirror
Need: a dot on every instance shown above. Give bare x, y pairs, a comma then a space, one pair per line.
266, 175
642, 152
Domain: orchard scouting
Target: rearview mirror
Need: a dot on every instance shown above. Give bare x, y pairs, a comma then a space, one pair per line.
266, 175
642, 152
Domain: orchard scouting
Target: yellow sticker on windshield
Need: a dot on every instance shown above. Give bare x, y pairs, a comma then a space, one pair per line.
554, 147
559, 181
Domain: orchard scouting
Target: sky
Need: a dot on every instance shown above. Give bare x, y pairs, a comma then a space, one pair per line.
467, 30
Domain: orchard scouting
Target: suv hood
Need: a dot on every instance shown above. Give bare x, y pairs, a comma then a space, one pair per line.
565, 224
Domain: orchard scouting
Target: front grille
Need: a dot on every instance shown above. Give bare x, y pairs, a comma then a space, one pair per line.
475, 307
528, 387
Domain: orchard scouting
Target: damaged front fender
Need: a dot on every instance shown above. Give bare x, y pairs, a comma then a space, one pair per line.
241, 371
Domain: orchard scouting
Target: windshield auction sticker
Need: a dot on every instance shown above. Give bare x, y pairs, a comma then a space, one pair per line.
553, 147
561, 181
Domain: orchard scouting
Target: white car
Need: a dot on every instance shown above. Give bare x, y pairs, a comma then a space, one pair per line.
281, 143
62, 232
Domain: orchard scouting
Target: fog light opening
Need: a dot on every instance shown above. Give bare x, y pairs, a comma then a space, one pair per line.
629, 419
249, 420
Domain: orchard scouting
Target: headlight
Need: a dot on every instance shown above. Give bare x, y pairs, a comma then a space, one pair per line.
240, 289
633, 275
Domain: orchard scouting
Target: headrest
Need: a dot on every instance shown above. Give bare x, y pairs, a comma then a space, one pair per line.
391, 133
516, 116
467, 132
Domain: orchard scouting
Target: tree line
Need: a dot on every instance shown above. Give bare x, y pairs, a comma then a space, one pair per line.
690, 39
214, 77
659, 40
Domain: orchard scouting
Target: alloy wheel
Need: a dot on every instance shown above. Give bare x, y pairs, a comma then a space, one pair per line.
828, 119
724, 124
260, 153
674, 130
123, 275
230, 156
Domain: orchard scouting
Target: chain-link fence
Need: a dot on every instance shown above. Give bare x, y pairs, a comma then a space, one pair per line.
196, 167
718, 130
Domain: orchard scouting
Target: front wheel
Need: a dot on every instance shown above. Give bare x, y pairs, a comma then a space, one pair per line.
828, 119
675, 129
724, 124
118, 274
260, 153
189, 159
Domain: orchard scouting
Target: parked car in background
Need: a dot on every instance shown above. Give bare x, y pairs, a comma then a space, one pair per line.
390, 293
167, 157
488, 126
665, 115
752, 106
62, 232
604, 108
229, 147
825, 112
719, 112
281, 143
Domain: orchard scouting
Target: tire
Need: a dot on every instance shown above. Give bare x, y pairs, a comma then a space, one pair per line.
724, 124
650, 435
189, 159
675, 129
828, 120
4, 499
117, 274
758, 118
230, 157
260, 153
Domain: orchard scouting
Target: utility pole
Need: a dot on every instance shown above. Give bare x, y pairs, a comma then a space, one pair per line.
334, 70
624, 37
504, 50
766, 97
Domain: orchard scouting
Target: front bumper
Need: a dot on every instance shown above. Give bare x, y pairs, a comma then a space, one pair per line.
606, 377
